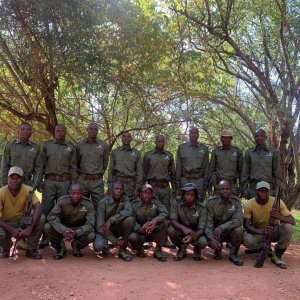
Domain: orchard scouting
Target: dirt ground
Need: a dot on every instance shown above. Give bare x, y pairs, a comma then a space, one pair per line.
92, 277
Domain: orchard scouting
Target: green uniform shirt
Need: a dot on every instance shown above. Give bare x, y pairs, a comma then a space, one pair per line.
92, 158
110, 210
126, 163
261, 166
64, 215
23, 155
60, 159
227, 215
143, 213
193, 217
226, 163
160, 166
192, 159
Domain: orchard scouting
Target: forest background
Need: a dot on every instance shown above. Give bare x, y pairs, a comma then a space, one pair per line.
155, 67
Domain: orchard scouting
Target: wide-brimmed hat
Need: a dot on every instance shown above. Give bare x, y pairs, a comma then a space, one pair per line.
226, 132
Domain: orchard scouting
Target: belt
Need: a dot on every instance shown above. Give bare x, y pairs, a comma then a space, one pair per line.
160, 183
125, 179
59, 178
91, 176
192, 176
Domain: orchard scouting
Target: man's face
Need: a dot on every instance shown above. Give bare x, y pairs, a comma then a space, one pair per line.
25, 132
225, 190
92, 130
60, 133
193, 135
15, 181
75, 194
260, 137
226, 141
117, 191
126, 138
160, 143
189, 197
262, 195
147, 195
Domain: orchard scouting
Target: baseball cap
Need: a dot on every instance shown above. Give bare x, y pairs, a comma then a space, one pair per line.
189, 187
262, 184
226, 132
15, 170
146, 187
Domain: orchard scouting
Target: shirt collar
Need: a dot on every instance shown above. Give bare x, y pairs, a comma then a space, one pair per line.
190, 144
18, 141
265, 148
156, 151
63, 143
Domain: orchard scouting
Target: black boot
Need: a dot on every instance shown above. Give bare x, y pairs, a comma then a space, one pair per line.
279, 252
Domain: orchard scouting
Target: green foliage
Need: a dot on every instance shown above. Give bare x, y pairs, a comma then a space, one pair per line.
296, 235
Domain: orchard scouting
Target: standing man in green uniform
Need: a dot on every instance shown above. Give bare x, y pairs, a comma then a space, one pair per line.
92, 155
12, 204
24, 154
188, 221
126, 166
226, 163
159, 171
151, 222
192, 163
113, 222
60, 169
257, 212
71, 219
224, 222
261, 163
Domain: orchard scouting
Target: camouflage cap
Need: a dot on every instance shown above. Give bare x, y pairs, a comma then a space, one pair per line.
146, 187
189, 187
15, 170
262, 184
226, 132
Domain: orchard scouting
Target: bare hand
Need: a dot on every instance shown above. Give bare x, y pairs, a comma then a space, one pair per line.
16, 233
25, 233
275, 214
217, 232
149, 226
106, 228
268, 231
188, 239
215, 244
188, 231
121, 243
69, 234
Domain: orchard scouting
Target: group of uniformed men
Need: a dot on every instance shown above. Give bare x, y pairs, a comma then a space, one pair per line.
139, 206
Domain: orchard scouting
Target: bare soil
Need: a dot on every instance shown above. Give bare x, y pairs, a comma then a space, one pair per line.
93, 277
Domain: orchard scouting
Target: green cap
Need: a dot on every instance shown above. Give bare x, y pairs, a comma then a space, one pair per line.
262, 184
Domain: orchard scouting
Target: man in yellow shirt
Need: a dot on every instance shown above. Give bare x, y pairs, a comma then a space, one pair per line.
257, 212
12, 204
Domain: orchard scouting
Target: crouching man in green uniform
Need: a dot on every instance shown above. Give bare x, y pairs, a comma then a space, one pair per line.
113, 222
224, 222
71, 219
12, 204
150, 223
188, 220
